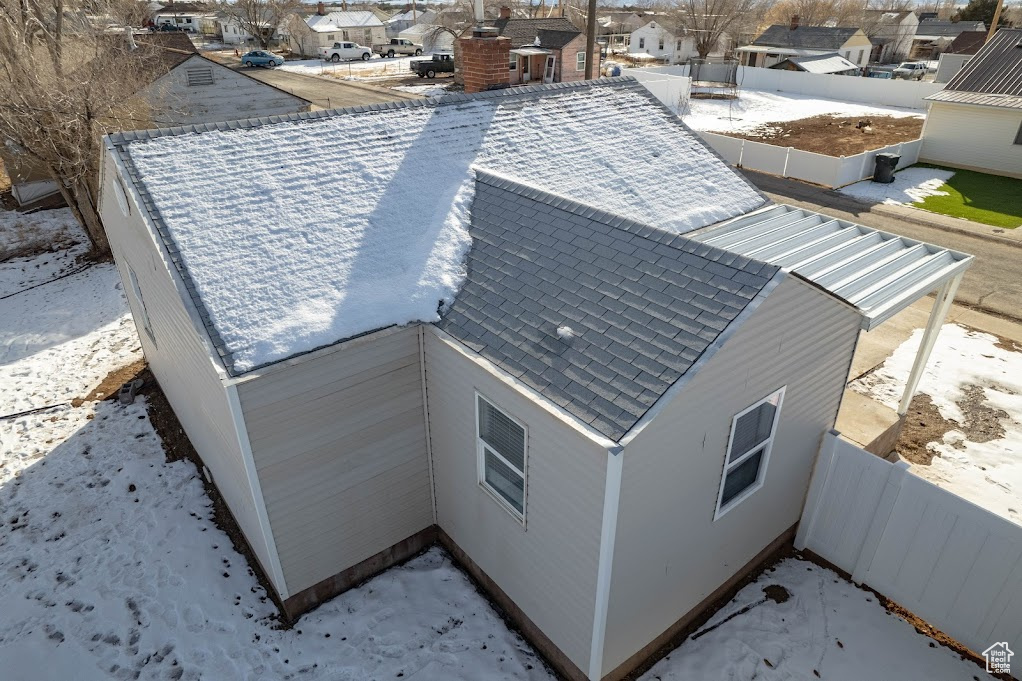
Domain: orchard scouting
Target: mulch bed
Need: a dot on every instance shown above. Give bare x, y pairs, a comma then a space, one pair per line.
836, 136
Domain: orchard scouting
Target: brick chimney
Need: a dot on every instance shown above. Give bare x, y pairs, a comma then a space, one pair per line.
321, 9
484, 60
794, 22
505, 12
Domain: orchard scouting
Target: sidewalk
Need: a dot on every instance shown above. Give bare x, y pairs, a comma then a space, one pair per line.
794, 191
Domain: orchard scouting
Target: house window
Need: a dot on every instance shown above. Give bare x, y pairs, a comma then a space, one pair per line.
368, 35
344, 35
122, 196
661, 43
1018, 135
202, 75
513, 62
137, 291
500, 449
330, 37
860, 57
748, 451
580, 61
642, 43
678, 48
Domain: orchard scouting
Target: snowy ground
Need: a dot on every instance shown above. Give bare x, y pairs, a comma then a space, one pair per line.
910, 186
112, 567
756, 107
428, 90
53, 230
377, 67
827, 629
964, 362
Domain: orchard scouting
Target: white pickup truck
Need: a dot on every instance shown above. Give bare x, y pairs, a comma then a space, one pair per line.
396, 46
345, 51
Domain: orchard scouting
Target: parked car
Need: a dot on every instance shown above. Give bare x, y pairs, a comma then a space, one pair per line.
165, 27
910, 70
345, 51
261, 58
442, 62
397, 46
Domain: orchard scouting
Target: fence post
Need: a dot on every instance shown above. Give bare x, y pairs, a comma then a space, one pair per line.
741, 153
881, 516
817, 488
787, 155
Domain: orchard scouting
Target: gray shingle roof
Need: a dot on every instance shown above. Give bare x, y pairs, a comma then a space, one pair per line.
808, 37
946, 29
524, 31
643, 304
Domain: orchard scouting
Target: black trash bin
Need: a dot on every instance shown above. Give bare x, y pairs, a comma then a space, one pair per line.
883, 171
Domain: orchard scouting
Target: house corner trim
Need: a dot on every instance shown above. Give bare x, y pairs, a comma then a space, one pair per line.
608, 534
276, 571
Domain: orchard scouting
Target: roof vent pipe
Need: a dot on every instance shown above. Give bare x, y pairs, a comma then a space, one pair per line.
480, 15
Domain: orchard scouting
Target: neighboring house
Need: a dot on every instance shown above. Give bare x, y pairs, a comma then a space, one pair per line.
541, 50
934, 37
958, 54
547, 362
663, 41
362, 27
891, 33
825, 63
231, 32
778, 43
432, 38
407, 19
193, 17
616, 27
975, 122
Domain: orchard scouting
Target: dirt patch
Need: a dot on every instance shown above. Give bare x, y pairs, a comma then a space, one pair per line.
836, 136
924, 424
776, 593
109, 386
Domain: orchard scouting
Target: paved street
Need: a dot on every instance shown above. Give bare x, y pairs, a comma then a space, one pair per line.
993, 283
325, 93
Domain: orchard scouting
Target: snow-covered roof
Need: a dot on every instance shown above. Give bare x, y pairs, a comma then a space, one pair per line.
823, 63
298, 233
334, 20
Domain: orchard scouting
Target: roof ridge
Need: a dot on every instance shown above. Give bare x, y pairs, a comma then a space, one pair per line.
125, 137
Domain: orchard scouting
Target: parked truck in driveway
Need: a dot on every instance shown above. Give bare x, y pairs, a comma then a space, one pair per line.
439, 63
396, 46
345, 51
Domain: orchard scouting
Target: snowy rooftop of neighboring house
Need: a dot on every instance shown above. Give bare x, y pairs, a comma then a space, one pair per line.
296, 234
993, 77
809, 37
823, 63
418, 16
333, 20
525, 31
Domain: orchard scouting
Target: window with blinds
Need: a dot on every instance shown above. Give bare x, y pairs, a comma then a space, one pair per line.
500, 444
748, 451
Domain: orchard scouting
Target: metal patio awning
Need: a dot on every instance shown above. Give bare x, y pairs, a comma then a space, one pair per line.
878, 273
529, 51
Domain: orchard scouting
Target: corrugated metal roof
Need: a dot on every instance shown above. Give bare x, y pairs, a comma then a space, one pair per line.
1003, 101
877, 272
996, 68
826, 63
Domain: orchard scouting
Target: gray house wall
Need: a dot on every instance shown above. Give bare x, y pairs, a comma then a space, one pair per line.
231, 96
182, 359
339, 442
549, 566
670, 554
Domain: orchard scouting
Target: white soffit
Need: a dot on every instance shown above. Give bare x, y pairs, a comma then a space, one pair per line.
878, 272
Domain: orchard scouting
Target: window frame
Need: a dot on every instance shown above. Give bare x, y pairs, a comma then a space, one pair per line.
765, 445
1018, 135
642, 43
482, 448
580, 61
512, 62
136, 291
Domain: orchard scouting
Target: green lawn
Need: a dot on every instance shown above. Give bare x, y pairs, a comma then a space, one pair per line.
990, 199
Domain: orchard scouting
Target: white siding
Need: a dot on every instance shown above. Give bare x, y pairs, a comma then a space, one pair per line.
976, 137
182, 359
670, 554
549, 567
231, 96
339, 442
651, 34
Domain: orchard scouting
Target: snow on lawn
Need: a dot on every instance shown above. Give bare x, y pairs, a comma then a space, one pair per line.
963, 362
23, 236
753, 108
428, 90
375, 67
113, 568
827, 629
910, 185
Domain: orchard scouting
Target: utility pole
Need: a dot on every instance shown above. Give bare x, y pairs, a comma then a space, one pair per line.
993, 24
590, 38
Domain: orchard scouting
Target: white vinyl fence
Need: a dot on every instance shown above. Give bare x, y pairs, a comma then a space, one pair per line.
829, 171
954, 564
877, 91
671, 90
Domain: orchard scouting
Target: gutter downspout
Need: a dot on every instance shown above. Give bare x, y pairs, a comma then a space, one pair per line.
608, 535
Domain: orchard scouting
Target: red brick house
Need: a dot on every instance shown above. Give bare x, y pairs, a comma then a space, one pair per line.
532, 50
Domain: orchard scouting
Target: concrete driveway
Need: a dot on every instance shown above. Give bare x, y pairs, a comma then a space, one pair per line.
993, 283
323, 92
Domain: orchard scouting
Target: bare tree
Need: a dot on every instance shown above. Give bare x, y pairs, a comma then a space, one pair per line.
299, 33
817, 12
62, 85
261, 19
711, 20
